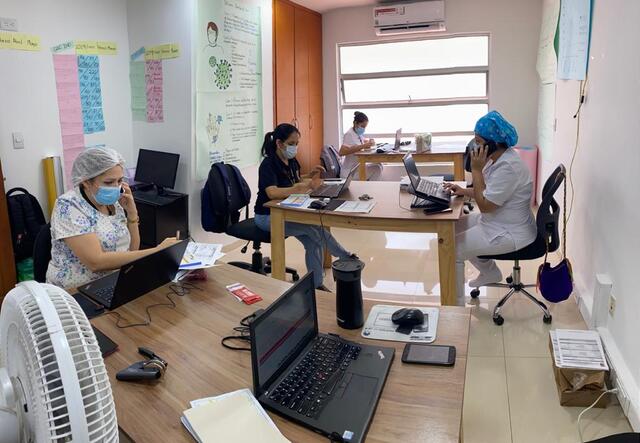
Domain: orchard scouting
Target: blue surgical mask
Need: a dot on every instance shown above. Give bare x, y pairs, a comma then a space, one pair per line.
290, 151
360, 130
107, 195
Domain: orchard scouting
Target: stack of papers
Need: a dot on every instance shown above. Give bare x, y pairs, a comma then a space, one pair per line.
236, 416
296, 201
356, 206
200, 256
578, 349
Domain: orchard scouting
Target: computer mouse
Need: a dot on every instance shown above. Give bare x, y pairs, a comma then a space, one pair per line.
318, 204
408, 317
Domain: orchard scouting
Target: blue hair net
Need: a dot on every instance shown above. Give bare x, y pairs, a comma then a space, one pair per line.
494, 127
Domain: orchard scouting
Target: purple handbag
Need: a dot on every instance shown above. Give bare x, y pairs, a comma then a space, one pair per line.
555, 283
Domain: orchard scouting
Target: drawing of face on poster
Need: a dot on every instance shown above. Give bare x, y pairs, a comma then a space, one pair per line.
220, 69
213, 127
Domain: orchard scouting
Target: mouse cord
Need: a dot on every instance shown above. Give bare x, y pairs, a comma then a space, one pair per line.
400, 203
244, 334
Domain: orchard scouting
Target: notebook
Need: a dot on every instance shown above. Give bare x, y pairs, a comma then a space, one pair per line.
236, 417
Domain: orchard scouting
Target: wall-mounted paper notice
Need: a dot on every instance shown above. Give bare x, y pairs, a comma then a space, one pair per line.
153, 79
138, 90
19, 41
106, 48
93, 47
162, 52
63, 47
70, 110
90, 93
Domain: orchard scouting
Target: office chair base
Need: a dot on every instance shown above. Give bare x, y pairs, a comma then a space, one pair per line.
515, 286
262, 265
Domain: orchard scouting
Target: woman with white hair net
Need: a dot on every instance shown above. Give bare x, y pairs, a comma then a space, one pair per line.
94, 226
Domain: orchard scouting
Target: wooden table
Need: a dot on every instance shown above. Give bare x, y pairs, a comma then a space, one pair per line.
439, 153
387, 215
418, 403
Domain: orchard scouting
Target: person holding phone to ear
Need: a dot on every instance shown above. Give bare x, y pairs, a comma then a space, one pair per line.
502, 189
94, 226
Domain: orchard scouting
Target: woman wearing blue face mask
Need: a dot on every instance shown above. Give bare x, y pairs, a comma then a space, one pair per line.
353, 142
279, 177
94, 226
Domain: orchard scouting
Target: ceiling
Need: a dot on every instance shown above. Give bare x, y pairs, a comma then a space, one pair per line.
327, 5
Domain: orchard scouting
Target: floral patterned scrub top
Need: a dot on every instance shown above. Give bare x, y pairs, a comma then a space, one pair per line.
73, 215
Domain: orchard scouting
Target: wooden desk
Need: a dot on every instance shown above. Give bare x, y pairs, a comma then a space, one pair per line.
418, 403
444, 154
387, 215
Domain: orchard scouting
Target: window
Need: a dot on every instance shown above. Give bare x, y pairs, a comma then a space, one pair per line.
437, 85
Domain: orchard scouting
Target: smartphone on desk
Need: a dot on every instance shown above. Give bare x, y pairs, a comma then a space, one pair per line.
429, 354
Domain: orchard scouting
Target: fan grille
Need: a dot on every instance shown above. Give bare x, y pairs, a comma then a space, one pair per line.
52, 422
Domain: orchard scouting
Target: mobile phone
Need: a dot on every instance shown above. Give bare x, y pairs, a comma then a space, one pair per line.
429, 354
491, 147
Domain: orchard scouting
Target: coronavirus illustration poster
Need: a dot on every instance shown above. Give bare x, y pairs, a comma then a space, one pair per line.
228, 84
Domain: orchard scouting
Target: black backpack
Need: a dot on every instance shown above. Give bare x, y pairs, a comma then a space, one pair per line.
224, 194
26, 219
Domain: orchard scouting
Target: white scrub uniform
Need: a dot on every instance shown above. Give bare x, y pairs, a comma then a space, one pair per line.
374, 170
509, 228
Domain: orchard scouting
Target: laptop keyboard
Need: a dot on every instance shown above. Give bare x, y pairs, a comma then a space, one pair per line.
312, 382
326, 190
106, 293
428, 187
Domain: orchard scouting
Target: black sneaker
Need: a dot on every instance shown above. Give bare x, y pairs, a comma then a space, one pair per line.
323, 288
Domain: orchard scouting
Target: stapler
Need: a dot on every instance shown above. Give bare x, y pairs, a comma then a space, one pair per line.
150, 369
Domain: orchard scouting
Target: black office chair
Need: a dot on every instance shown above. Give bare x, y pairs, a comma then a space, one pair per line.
42, 253
547, 225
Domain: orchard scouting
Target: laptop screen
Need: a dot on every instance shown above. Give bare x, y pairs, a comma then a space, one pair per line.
412, 170
280, 333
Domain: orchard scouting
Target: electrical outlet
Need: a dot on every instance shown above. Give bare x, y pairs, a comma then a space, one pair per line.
612, 304
8, 24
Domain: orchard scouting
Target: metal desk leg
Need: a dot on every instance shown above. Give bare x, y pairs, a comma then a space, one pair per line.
277, 244
447, 263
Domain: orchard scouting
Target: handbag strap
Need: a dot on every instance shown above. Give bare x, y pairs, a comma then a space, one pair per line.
564, 221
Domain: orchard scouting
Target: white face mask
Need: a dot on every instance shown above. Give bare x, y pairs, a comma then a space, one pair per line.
290, 151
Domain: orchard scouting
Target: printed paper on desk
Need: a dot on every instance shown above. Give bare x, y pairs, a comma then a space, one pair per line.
201, 255
356, 206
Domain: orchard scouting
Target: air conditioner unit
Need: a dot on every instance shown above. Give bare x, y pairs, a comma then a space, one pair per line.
405, 18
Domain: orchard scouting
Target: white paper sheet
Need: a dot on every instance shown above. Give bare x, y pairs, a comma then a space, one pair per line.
356, 206
573, 47
579, 349
380, 327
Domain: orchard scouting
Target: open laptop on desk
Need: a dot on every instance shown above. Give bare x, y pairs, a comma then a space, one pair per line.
424, 189
318, 380
388, 147
333, 189
136, 278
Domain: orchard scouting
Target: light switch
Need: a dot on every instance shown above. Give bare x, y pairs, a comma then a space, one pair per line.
18, 140
8, 24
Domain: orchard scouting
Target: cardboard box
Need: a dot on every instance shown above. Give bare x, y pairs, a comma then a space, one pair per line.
580, 387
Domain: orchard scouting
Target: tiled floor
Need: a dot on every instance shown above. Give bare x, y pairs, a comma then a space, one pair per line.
510, 392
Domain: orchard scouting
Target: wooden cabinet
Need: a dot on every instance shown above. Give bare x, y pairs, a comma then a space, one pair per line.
297, 67
7, 264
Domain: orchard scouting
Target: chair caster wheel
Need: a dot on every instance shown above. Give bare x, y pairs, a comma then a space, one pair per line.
509, 279
498, 320
295, 277
475, 293
547, 319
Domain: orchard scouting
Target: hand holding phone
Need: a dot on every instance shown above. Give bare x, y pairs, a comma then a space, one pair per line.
429, 354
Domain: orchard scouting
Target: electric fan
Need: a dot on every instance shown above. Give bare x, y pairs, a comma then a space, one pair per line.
54, 386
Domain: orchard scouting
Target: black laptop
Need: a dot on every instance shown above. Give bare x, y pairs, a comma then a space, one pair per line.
433, 194
320, 381
334, 189
136, 278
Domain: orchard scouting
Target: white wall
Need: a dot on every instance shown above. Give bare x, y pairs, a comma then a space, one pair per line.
154, 22
28, 101
514, 26
603, 230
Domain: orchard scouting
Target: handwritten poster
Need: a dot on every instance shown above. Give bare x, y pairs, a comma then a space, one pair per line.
19, 41
90, 93
153, 80
575, 30
547, 63
138, 91
228, 84
70, 110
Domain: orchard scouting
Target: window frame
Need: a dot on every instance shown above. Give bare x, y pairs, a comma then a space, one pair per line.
356, 106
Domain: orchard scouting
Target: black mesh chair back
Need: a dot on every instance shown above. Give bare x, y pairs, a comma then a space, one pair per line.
42, 253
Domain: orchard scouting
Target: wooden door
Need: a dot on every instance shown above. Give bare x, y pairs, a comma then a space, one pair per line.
284, 62
7, 264
302, 22
316, 111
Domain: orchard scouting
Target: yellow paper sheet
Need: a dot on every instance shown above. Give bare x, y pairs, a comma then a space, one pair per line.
106, 48
32, 43
17, 41
86, 47
5, 40
233, 419
175, 50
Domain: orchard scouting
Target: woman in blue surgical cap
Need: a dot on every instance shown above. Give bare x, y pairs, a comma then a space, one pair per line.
502, 189
94, 226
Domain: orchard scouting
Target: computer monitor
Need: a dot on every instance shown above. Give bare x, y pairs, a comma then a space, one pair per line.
157, 168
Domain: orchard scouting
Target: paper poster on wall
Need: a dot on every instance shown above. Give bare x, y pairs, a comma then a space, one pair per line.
546, 118
70, 110
19, 41
153, 80
228, 84
547, 63
138, 91
90, 93
574, 34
